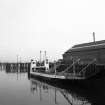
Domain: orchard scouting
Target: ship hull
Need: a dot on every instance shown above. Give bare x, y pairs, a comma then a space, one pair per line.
86, 83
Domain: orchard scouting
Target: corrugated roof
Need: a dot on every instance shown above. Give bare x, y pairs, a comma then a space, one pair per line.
88, 46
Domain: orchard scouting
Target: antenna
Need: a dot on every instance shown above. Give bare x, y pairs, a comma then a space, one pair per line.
45, 55
40, 56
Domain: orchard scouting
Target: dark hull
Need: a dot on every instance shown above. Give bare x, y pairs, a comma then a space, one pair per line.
94, 93
86, 83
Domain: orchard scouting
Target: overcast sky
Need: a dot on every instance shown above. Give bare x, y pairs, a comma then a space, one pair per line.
28, 26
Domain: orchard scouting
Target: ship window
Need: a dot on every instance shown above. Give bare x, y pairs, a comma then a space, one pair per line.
33, 62
33, 69
46, 61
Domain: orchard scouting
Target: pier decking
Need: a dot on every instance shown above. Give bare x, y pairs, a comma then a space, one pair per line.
16, 67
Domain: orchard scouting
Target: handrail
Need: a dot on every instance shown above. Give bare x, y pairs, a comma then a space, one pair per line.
87, 66
70, 66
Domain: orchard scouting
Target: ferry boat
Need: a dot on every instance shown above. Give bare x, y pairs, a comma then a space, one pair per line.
42, 70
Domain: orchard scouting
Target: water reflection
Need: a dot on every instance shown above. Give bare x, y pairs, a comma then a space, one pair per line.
17, 89
56, 94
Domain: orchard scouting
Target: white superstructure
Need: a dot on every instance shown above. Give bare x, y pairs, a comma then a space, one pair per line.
38, 66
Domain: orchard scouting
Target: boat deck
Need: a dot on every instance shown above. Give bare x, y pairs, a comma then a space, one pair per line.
58, 75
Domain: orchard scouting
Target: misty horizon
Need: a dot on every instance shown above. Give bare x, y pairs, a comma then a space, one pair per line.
30, 26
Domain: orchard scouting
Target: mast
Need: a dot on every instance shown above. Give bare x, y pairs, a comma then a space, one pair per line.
94, 37
46, 63
45, 55
45, 58
40, 56
55, 67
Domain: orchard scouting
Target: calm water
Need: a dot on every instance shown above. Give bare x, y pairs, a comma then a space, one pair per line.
17, 89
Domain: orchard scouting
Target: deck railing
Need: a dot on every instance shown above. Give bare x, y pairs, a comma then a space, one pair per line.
70, 66
90, 70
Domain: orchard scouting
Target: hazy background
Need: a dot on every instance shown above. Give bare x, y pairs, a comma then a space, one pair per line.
28, 26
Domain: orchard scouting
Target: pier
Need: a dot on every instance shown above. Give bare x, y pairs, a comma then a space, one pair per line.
15, 67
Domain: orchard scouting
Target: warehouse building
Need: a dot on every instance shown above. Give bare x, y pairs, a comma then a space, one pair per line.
86, 52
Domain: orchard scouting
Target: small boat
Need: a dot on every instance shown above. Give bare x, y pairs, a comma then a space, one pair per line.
42, 70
